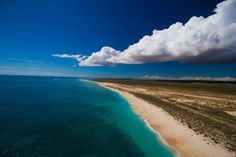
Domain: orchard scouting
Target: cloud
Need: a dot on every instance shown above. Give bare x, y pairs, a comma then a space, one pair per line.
77, 57
206, 40
200, 40
197, 78
100, 58
6, 67
25, 60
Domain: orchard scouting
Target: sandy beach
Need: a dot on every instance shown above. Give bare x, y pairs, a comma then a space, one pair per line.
184, 141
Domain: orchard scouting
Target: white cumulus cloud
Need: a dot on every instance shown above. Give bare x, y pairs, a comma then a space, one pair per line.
209, 39
100, 58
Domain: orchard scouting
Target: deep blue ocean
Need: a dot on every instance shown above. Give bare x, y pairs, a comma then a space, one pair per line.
66, 117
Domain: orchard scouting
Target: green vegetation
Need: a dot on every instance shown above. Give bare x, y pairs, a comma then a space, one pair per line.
219, 87
212, 123
199, 105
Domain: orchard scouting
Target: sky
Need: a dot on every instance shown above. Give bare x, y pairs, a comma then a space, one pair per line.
118, 38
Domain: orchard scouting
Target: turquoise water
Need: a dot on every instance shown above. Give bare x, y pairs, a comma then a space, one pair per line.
64, 117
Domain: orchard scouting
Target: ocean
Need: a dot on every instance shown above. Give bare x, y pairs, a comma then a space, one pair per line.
66, 117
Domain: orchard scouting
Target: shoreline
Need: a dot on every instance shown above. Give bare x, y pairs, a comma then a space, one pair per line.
159, 136
180, 139
163, 141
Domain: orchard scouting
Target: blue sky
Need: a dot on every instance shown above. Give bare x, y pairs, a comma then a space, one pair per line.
32, 31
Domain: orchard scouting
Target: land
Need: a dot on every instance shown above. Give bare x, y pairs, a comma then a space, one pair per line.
194, 118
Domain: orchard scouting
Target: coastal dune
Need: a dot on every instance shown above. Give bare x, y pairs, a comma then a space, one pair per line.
184, 141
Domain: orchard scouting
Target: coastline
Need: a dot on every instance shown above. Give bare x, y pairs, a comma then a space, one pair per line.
182, 140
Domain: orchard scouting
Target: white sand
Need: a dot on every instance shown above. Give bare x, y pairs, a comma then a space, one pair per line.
176, 135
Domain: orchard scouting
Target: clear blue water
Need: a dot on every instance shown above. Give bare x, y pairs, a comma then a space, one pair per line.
64, 117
